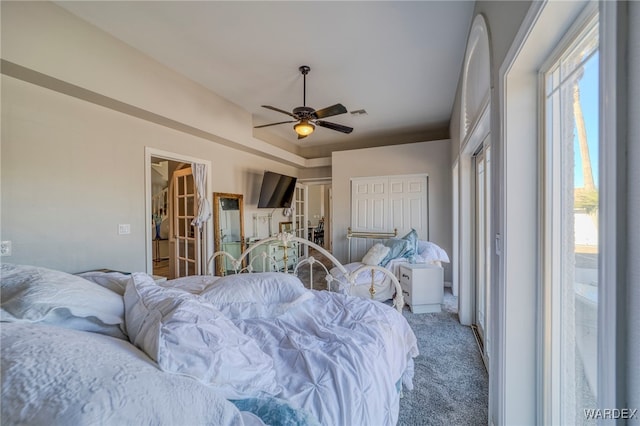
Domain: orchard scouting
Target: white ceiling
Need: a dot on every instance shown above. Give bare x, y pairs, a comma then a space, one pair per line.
400, 61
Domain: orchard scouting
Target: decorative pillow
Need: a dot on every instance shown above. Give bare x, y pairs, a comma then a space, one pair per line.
188, 336
376, 254
256, 295
412, 237
397, 248
34, 294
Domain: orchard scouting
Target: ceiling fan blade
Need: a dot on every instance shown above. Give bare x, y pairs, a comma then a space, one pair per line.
279, 110
330, 111
273, 124
334, 126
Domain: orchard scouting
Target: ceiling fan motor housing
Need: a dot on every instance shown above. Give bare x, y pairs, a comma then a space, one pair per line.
304, 112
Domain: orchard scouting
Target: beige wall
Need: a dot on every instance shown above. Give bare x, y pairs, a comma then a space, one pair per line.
73, 152
432, 158
72, 171
77, 58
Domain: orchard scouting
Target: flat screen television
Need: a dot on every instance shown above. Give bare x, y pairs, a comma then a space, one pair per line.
276, 191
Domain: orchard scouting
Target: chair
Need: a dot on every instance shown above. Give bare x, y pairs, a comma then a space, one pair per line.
318, 233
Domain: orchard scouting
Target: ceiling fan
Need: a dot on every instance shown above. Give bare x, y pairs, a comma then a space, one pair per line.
306, 117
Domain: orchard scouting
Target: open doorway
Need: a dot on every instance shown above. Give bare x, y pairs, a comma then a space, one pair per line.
319, 212
175, 248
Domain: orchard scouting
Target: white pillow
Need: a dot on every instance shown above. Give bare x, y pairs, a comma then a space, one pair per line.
431, 252
57, 376
34, 294
188, 336
114, 281
376, 254
256, 295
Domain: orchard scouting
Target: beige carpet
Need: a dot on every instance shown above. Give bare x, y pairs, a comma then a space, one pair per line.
451, 385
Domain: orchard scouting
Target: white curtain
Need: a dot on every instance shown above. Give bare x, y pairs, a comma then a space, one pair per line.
200, 179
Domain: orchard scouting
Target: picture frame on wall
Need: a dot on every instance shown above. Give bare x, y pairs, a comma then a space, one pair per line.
285, 227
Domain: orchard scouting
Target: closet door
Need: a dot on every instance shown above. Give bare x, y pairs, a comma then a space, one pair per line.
385, 203
369, 210
408, 205
369, 204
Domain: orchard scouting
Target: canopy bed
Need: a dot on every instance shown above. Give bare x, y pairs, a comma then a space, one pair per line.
244, 348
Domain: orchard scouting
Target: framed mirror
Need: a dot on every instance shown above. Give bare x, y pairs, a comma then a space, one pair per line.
228, 234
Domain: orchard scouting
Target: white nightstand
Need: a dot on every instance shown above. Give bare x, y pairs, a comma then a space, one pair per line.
422, 286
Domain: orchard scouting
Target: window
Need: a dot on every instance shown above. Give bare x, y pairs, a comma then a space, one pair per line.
571, 226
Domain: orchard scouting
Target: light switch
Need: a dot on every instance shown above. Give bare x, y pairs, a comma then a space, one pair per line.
124, 229
5, 248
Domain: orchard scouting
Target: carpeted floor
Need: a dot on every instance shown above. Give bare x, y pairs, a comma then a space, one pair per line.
451, 384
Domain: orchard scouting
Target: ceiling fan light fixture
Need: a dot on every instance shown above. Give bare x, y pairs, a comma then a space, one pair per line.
304, 128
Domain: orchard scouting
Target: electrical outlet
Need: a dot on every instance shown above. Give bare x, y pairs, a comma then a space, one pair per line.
124, 229
5, 248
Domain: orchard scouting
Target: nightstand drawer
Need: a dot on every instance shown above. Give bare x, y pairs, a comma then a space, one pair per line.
406, 291
405, 277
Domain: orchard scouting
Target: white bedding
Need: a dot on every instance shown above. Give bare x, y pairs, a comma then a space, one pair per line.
285, 353
338, 357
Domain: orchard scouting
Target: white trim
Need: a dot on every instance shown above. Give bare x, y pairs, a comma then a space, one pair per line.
517, 383
418, 175
455, 220
153, 152
475, 128
612, 206
550, 359
499, 382
477, 46
316, 181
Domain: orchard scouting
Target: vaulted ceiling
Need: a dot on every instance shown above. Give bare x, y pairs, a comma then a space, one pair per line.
398, 61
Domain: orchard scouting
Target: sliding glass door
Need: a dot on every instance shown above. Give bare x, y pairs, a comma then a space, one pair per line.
482, 270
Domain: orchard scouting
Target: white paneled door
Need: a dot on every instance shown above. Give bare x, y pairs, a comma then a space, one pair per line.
385, 203
369, 204
408, 201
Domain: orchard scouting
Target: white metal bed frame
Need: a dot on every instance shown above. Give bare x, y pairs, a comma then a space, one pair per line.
244, 264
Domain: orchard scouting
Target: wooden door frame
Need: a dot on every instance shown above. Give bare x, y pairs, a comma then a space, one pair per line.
150, 152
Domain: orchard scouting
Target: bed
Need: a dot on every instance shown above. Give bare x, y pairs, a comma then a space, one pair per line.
369, 277
244, 349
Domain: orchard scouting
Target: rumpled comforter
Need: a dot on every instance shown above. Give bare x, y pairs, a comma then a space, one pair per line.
341, 358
